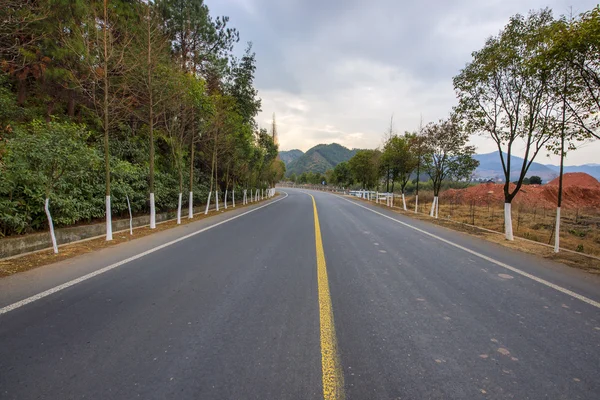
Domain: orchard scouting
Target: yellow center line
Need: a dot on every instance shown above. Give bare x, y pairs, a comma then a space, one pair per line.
333, 378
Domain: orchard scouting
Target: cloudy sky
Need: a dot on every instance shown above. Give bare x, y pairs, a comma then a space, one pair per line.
337, 70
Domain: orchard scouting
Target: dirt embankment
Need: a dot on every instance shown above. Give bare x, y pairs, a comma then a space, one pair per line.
580, 190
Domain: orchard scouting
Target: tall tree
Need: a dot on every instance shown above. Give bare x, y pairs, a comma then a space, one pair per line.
365, 166
503, 92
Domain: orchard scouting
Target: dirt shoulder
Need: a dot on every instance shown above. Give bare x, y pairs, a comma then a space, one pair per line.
574, 260
34, 260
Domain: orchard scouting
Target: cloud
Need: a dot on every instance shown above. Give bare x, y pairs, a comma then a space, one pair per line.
337, 70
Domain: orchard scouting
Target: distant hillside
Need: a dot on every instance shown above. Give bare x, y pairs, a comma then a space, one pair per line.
590, 169
290, 155
490, 167
320, 158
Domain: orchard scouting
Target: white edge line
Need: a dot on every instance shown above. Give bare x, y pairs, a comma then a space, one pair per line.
73, 282
483, 256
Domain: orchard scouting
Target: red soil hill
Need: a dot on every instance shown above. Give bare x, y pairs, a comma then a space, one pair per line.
580, 190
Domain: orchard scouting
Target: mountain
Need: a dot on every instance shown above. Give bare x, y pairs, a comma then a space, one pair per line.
490, 167
290, 155
320, 158
590, 169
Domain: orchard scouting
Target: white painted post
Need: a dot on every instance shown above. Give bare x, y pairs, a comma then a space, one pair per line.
50, 225
130, 216
152, 212
508, 231
191, 206
109, 235
207, 203
179, 209
225, 199
557, 231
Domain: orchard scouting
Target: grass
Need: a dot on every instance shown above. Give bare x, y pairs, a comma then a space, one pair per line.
34, 260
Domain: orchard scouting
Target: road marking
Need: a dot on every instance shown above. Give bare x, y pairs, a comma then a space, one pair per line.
58, 288
333, 377
483, 256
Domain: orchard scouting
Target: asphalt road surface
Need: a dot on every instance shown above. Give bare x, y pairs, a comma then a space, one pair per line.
281, 302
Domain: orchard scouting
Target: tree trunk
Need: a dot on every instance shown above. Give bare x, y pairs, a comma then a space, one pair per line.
151, 125
560, 176
105, 120
51, 225
508, 230
130, 216
191, 201
403, 201
180, 192
71, 104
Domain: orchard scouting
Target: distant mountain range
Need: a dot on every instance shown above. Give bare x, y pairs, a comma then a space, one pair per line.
318, 159
490, 167
289, 155
326, 156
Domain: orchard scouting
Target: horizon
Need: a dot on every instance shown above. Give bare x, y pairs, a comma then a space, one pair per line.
536, 160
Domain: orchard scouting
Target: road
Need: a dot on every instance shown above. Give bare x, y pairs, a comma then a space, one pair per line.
280, 302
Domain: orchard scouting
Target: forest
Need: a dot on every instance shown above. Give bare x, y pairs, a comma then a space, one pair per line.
106, 104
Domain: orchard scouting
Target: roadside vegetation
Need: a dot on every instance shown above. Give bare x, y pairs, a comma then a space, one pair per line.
113, 107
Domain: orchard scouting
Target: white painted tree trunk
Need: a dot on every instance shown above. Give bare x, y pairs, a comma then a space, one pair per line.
207, 203
233, 198
244, 198
432, 211
130, 216
225, 199
403, 202
152, 212
179, 209
557, 231
508, 229
437, 206
416, 203
191, 206
51, 225
377, 198
108, 220
217, 199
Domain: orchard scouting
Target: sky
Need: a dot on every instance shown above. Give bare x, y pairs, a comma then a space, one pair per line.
339, 70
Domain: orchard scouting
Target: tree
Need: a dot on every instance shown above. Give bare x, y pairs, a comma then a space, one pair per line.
364, 167
401, 159
342, 175
50, 156
448, 156
101, 44
535, 180
503, 92
577, 43
150, 83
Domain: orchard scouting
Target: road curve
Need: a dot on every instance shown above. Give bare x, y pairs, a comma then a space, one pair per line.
236, 312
